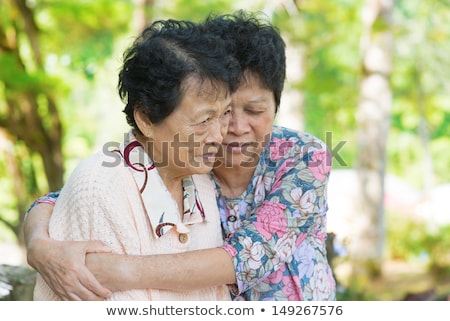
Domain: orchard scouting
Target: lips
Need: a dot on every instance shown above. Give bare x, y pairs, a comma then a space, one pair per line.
209, 157
236, 147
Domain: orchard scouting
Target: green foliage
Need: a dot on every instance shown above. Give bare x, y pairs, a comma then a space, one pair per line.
409, 239
330, 84
438, 245
83, 33
421, 107
73, 42
405, 238
195, 10
18, 81
350, 294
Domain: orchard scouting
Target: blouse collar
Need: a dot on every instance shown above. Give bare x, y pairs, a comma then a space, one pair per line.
160, 206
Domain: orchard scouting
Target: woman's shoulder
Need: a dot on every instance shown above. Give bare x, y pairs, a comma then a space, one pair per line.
100, 167
300, 150
296, 137
286, 143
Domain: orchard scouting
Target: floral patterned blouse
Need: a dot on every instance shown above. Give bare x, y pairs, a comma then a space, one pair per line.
275, 231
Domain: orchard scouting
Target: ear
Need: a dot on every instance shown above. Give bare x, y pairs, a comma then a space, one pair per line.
143, 123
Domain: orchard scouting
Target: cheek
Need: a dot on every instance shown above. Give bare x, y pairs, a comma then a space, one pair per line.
263, 131
197, 143
224, 130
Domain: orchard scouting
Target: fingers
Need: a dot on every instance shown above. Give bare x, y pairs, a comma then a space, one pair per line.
62, 266
87, 278
78, 293
94, 289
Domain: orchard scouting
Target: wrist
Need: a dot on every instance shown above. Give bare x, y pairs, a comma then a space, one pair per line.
36, 247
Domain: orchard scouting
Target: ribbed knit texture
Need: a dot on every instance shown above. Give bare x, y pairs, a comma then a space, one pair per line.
103, 203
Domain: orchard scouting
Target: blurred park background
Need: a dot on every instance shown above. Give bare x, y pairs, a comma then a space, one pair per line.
369, 77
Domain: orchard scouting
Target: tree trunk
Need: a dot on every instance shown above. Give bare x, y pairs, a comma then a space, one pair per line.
142, 15
25, 119
373, 119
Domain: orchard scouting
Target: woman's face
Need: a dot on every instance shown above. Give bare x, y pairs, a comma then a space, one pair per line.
187, 141
250, 125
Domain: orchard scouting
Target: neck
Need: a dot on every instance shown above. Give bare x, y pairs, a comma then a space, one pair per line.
233, 181
167, 173
174, 185
170, 178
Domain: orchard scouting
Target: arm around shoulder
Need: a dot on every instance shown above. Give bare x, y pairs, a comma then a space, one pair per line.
61, 264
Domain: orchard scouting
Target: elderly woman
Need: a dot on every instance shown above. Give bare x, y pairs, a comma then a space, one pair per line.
141, 198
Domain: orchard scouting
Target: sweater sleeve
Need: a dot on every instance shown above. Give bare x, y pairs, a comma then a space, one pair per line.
100, 203
49, 198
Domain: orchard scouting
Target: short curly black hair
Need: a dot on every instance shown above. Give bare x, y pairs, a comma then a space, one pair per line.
257, 45
162, 57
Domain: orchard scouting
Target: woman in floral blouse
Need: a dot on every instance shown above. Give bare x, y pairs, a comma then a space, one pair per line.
271, 192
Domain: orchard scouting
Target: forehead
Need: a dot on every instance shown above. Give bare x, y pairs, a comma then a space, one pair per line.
204, 87
252, 79
201, 96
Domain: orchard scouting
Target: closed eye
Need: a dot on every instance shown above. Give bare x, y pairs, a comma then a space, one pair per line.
254, 112
205, 121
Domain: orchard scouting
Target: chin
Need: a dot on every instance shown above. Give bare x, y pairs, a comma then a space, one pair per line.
243, 162
204, 168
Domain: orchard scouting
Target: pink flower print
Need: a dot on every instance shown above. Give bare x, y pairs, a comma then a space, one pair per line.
276, 276
300, 239
279, 148
321, 236
320, 164
230, 250
279, 175
271, 220
291, 288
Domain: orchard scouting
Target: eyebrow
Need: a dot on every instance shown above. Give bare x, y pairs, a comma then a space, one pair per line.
258, 100
212, 111
207, 111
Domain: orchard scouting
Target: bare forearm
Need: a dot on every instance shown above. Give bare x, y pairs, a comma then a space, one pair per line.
181, 271
187, 270
36, 224
36, 228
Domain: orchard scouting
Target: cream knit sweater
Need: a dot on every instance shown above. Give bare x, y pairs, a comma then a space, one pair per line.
104, 203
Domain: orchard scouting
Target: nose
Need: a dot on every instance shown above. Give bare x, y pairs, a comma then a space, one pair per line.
216, 133
238, 125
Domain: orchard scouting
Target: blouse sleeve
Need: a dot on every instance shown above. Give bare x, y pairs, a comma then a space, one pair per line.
49, 198
292, 215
